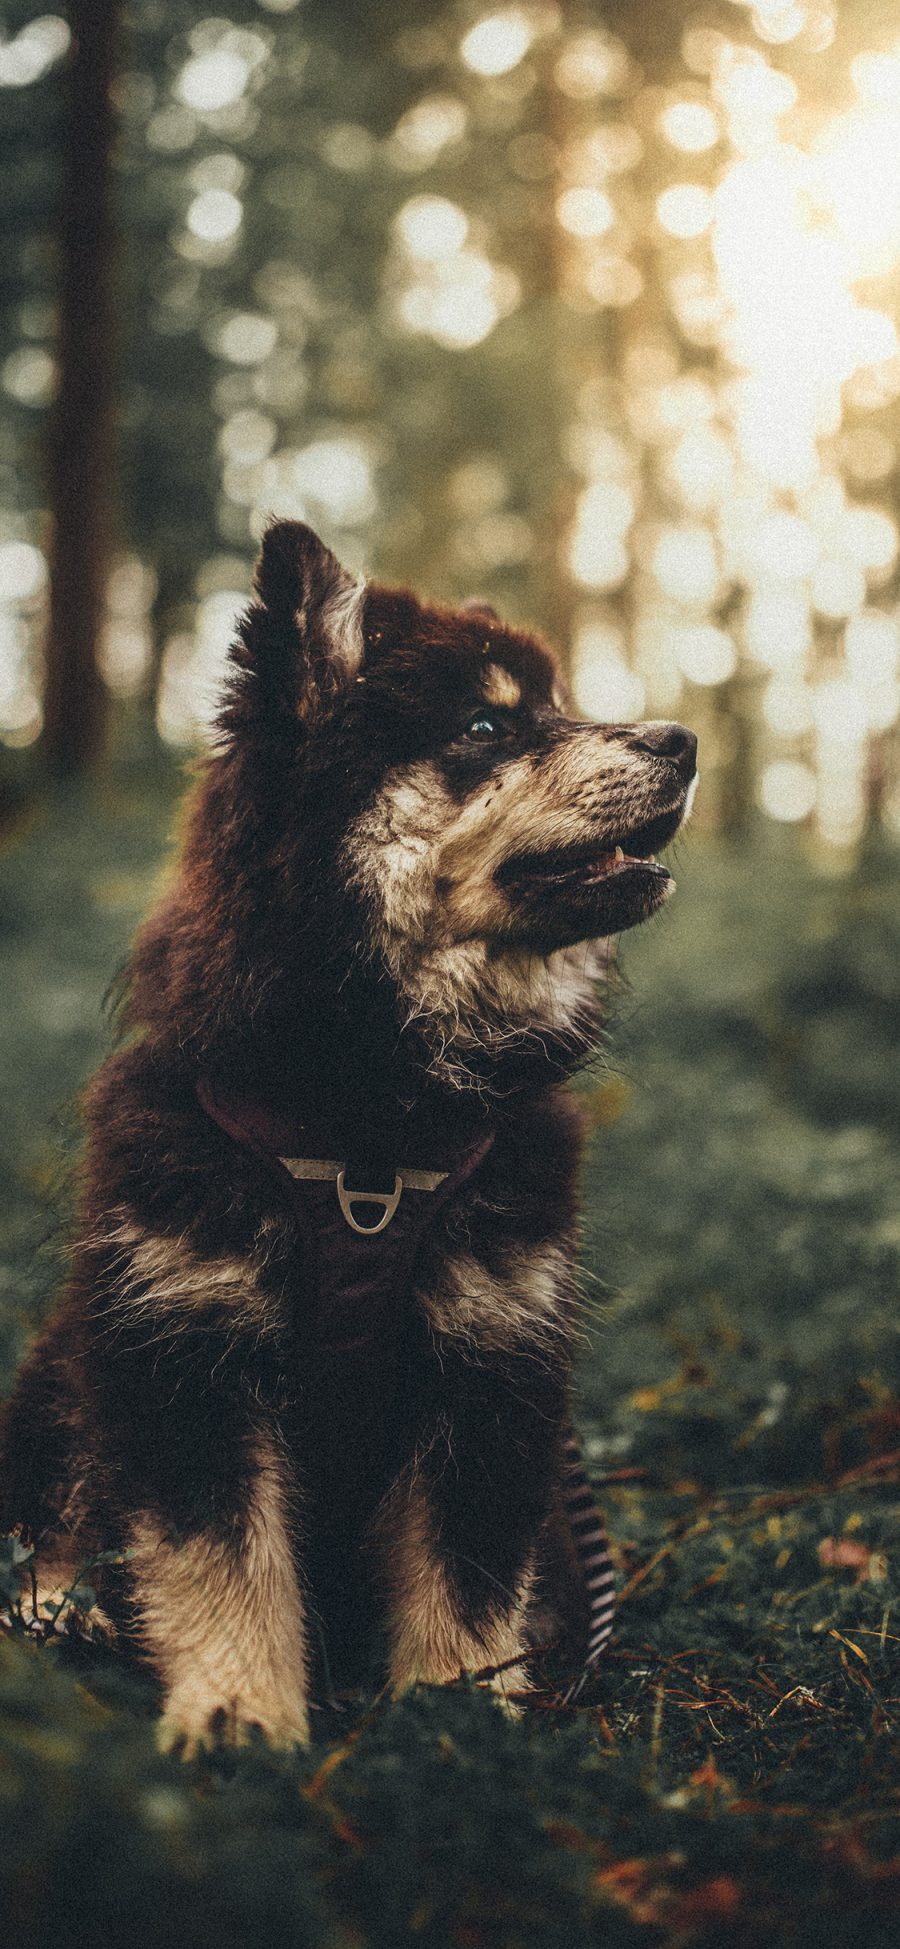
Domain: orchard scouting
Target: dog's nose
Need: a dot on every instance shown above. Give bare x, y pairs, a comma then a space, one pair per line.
673, 741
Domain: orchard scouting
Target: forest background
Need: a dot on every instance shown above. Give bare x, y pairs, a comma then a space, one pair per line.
593, 312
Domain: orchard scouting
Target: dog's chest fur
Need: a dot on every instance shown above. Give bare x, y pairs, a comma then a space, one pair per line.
211, 1252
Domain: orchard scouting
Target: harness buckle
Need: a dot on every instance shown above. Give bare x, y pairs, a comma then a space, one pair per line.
389, 1199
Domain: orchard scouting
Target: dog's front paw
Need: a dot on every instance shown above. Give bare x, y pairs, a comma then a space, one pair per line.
509, 1683
195, 1721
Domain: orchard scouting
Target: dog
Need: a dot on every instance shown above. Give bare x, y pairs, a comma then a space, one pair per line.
311, 1364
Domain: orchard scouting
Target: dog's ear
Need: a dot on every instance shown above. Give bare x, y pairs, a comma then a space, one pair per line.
302, 639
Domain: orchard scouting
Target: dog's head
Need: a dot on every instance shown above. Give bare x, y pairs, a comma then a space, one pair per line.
418, 764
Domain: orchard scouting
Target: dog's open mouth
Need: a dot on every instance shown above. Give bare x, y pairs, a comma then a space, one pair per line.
610, 886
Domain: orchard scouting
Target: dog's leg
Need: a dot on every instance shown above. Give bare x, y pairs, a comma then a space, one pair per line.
436, 1631
222, 1618
459, 1533
182, 1377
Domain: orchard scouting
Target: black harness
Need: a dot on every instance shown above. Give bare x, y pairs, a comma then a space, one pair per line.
362, 1246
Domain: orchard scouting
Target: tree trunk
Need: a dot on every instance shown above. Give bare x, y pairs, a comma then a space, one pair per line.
81, 448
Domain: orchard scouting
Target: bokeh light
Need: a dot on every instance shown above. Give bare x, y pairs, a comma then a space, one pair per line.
35, 48
23, 587
605, 687
787, 790
23, 571
705, 654
215, 215
213, 80
246, 337
498, 42
592, 64
431, 125
690, 125
193, 668
126, 644
586, 212
431, 227
685, 209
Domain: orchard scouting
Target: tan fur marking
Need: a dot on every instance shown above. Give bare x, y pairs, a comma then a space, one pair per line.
162, 1277
477, 995
571, 797
528, 1303
342, 623
500, 687
430, 1645
225, 1626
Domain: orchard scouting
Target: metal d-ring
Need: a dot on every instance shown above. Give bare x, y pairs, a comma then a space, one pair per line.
390, 1201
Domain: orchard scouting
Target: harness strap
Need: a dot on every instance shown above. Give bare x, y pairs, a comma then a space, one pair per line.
326, 1170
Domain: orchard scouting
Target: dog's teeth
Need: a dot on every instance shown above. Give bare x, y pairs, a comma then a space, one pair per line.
618, 855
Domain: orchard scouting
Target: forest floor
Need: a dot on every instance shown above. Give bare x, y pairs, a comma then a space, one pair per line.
732, 1776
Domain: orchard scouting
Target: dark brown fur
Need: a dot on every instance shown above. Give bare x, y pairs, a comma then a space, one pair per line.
340, 943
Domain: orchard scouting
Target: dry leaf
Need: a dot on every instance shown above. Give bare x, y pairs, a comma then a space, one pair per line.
843, 1553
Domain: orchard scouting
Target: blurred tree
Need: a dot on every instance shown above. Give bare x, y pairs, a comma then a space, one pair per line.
82, 459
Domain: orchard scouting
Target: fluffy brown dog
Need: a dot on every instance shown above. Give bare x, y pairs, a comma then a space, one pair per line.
312, 1361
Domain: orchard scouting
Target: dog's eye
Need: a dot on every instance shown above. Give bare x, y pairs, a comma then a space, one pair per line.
483, 728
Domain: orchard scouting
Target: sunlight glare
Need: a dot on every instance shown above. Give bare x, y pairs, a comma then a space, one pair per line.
876, 78
193, 666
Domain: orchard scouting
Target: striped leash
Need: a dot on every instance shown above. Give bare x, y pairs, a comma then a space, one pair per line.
591, 1545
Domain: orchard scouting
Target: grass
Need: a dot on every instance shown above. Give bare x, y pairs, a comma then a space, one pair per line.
732, 1777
